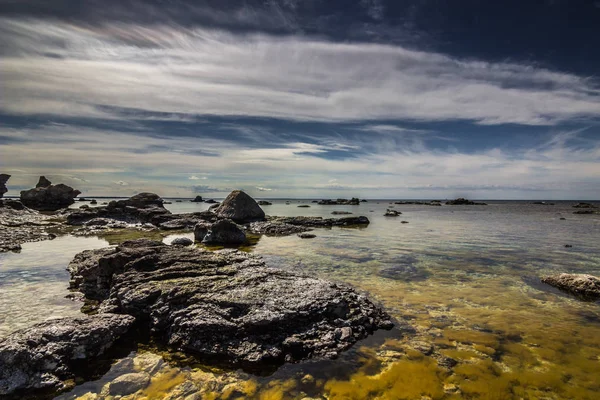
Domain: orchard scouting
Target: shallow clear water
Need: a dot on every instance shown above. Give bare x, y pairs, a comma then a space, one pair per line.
466, 277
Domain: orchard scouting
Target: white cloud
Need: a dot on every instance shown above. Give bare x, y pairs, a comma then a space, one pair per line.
563, 166
188, 72
195, 178
263, 189
121, 183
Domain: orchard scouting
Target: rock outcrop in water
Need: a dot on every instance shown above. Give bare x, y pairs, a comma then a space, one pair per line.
3, 179
463, 202
240, 208
197, 199
48, 356
224, 231
328, 202
48, 197
141, 208
227, 305
583, 286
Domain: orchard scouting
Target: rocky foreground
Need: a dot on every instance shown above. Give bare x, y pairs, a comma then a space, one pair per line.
226, 307
48, 356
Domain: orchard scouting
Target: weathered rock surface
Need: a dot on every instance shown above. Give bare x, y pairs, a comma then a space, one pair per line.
583, 286
240, 208
328, 202
463, 202
44, 357
3, 179
48, 197
224, 231
19, 224
227, 305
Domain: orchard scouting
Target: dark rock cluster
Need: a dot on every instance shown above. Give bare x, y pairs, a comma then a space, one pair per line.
463, 202
48, 197
328, 202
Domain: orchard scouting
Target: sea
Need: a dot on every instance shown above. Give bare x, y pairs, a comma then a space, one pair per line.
465, 278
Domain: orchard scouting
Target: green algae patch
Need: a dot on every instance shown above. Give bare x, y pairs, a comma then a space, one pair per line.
406, 379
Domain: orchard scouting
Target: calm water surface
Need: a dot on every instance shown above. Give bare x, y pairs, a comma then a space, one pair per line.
466, 277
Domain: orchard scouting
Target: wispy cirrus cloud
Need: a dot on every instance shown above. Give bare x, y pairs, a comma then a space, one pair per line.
54, 68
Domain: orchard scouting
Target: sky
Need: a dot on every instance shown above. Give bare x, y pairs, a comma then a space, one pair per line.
405, 99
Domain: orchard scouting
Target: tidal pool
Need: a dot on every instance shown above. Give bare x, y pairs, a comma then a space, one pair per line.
465, 278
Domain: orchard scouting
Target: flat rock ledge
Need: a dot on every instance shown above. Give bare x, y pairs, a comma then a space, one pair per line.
583, 286
227, 306
46, 358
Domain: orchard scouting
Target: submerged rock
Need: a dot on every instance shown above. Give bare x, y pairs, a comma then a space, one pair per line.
227, 305
240, 208
307, 236
224, 231
320, 221
46, 356
3, 179
583, 286
48, 197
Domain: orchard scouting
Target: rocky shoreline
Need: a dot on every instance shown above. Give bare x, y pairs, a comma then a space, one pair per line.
226, 307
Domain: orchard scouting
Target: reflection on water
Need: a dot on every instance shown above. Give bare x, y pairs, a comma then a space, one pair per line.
466, 278
34, 282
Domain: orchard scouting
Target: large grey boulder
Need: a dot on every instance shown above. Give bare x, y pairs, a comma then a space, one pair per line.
48, 197
224, 231
583, 286
3, 179
227, 305
240, 207
43, 358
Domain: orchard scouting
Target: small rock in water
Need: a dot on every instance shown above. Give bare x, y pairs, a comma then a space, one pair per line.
568, 245
583, 286
404, 222
307, 236
391, 213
